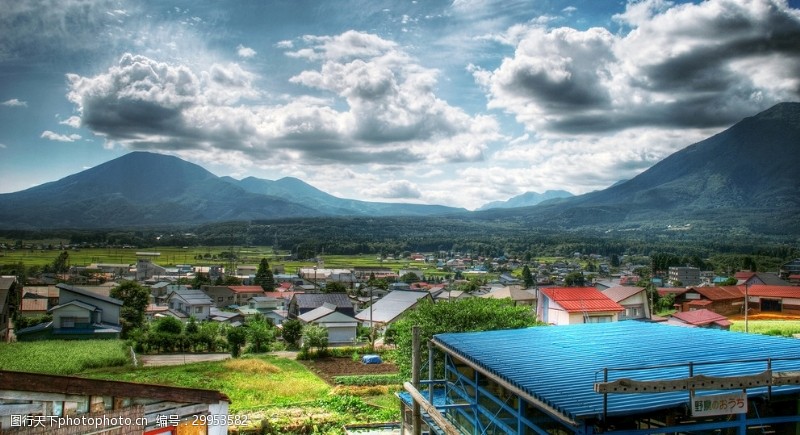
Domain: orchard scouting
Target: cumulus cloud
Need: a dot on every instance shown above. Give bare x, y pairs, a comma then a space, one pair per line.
245, 52
396, 189
14, 103
49, 135
378, 106
72, 121
692, 65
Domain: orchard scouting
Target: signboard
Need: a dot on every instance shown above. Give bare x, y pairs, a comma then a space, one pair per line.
721, 404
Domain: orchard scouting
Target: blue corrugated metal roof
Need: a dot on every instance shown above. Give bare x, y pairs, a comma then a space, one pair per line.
559, 365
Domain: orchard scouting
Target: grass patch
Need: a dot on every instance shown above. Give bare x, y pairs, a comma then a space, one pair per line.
785, 328
62, 357
250, 383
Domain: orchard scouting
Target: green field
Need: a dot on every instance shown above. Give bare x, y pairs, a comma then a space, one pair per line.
269, 390
784, 328
62, 357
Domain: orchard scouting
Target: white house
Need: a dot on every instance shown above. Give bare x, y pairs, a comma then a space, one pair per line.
192, 303
341, 327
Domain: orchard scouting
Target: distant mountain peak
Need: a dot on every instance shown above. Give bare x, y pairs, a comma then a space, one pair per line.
527, 199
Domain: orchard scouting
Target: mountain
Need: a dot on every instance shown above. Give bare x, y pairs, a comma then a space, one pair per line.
744, 178
526, 199
292, 189
148, 189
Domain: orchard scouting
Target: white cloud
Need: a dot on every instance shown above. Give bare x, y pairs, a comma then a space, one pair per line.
390, 112
49, 135
395, 189
245, 52
692, 65
14, 103
72, 121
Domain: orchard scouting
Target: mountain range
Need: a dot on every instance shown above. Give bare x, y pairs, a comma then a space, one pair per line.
745, 177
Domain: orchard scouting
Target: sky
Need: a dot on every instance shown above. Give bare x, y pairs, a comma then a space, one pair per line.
457, 103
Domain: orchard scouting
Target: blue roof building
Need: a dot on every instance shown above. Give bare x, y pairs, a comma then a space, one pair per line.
658, 378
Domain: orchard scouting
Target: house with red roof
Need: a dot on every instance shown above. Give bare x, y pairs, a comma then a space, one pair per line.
701, 318
724, 300
571, 305
224, 296
783, 299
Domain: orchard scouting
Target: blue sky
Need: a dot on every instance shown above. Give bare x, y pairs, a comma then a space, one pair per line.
441, 102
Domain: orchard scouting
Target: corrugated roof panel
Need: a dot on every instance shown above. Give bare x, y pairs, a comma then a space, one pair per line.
560, 364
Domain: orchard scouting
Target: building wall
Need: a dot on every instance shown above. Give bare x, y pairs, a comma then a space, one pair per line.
80, 314
110, 313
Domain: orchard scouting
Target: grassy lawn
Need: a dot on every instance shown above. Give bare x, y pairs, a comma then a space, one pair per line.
277, 392
274, 391
769, 327
62, 357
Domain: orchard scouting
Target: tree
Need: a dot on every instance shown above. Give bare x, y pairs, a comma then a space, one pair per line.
259, 334
315, 336
237, 337
527, 277
264, 276
135, 299
461, 315
335, 287
575, 279
292, 332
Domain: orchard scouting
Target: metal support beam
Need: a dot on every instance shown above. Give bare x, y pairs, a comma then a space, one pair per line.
436, 416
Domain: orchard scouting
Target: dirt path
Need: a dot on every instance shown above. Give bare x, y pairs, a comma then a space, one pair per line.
180, 358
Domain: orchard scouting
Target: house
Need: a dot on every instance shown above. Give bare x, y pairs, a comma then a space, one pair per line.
36, 403
302, 303
571, 305
234, 318
190, 303
225, 296
390, 307
33, 305
790, 268
783, 299
266, 306
341, 327
585, 379
49, 292
725, 300
633, 299
243, 293
758, 278
515, 293
8, 285
701, 318
80, 314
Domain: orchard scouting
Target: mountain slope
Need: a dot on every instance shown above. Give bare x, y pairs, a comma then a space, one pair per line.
292, 189
526, 199
139, 189
743, 177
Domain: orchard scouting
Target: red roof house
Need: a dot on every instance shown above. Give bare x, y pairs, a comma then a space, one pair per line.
701, 318
570, 305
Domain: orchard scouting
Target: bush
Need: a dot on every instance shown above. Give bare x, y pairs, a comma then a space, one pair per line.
368, 380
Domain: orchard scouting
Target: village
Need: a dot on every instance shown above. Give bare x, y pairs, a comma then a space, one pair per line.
356, 307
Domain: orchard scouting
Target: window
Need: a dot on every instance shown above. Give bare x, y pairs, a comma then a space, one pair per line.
198, 310
220, 299
75, 322
598, 319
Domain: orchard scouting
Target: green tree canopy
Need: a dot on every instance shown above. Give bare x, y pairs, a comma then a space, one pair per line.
527, 277
135, 299
334, 287
461, 315
264, 276
292, 332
